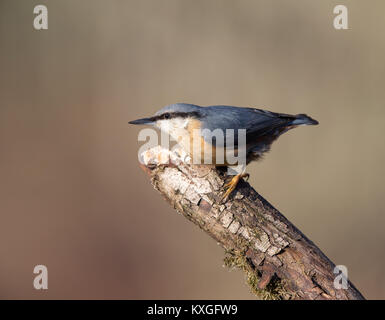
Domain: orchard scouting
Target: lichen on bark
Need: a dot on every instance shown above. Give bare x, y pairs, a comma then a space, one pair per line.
278, 260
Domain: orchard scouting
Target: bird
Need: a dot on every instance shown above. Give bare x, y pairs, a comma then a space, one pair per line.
192, 127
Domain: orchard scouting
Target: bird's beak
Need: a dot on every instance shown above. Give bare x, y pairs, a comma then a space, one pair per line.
142, 121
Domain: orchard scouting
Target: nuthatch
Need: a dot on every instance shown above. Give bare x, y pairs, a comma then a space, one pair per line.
188, 122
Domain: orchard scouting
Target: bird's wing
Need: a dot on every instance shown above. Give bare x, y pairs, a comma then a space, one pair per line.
256, 122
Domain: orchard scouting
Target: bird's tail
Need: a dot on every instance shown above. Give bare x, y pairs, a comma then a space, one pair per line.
303, 119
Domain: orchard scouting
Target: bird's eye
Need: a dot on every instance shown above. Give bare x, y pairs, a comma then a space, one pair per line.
166, 116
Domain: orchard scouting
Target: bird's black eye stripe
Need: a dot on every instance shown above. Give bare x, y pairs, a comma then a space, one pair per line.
171, 115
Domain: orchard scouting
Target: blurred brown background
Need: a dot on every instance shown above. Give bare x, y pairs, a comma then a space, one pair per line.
72, 195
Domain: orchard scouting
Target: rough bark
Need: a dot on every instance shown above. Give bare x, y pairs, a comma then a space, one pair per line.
280, 262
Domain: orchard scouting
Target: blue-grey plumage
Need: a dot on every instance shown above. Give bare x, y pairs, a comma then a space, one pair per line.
262, 127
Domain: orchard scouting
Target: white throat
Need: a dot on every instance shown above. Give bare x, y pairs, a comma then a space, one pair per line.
176, 127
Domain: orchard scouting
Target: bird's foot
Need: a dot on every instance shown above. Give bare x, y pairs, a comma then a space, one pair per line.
232, 184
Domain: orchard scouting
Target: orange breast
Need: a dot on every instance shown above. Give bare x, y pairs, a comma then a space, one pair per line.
201, 150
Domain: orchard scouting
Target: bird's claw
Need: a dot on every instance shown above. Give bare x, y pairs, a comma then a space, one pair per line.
232, 184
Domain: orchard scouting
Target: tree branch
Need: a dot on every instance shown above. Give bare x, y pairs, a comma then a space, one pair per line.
280, 262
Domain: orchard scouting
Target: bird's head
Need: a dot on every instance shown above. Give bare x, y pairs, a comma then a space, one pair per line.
174, 118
